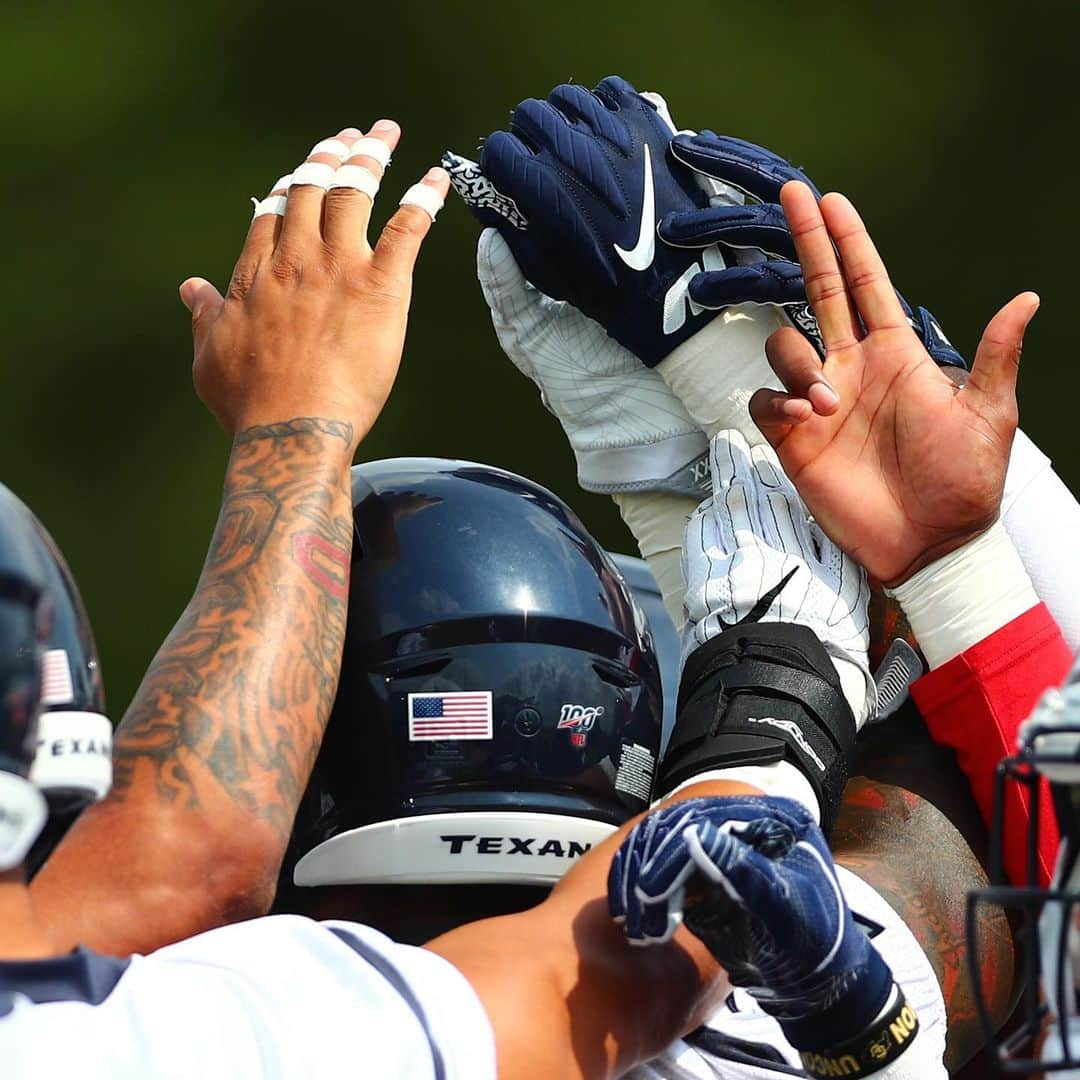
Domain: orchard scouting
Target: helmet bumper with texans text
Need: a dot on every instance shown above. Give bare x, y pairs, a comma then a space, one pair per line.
500, 705
1044, 1036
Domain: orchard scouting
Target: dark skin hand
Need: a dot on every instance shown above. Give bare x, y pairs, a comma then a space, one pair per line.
296, 360
879, 416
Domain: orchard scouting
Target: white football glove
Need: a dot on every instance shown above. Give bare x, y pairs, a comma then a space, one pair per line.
753, 555
628, 431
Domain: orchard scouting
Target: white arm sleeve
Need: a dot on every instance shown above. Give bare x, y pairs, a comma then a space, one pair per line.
1042, 517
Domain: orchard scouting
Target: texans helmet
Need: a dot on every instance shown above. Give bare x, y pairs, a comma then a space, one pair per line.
500, 704
24, 624
73, 764
1044, 1037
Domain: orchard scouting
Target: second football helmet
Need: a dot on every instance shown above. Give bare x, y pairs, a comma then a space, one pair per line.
500, 704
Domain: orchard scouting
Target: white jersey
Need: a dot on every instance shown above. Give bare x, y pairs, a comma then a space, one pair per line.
276, 997
288, 997
741, 1042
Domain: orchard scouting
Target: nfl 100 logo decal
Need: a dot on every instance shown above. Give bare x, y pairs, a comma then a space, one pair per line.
579, 720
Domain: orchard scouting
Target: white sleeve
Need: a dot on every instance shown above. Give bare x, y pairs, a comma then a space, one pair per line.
1042, 517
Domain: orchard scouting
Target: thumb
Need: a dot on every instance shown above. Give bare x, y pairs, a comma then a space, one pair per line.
997, 359
204, 302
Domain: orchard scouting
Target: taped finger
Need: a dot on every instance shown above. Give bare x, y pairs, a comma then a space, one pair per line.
262, 233
275, 202
428, 198
318, 174
308, 185
356, 178
346, 215
400, 242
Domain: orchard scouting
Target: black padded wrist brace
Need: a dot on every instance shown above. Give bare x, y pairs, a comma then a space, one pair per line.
760, 693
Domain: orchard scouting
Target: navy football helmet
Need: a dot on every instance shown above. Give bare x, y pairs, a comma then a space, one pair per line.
70, 760
73, 764
24, 623
500, 703
1046, 1035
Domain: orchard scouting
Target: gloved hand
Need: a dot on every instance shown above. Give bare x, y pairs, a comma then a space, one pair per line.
760, 226
628, 431
753, 555
576, 188
753, 878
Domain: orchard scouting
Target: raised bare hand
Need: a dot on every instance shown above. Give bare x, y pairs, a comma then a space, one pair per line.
313, 320
896, 463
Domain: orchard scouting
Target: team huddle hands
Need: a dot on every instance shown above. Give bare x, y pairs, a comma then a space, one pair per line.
730, 361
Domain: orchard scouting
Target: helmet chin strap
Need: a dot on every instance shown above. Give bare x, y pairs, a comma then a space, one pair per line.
22, 816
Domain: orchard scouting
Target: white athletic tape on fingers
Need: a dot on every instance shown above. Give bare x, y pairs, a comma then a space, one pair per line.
424, 196
372, 148
314, 174
357, 177
339, 149
272, 204
282, 183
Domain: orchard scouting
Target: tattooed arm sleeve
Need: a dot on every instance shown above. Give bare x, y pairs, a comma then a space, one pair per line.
215, 750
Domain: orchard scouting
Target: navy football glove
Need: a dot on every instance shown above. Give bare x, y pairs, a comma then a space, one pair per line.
576, 188
760, 226
755, 881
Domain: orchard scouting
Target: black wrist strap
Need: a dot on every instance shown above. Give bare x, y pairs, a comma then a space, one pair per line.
756, 694
881, 1043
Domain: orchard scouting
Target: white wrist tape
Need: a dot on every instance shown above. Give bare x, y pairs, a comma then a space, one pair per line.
966, 595
313, 174
424, 196
372, 148
272, 204
357, 177
340, 150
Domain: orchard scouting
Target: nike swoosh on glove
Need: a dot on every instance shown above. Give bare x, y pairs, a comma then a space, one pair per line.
576, 188
752, 554
628, 431
760, 226
752, 877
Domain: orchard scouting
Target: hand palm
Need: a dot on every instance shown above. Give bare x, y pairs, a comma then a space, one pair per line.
908, 464
898, 465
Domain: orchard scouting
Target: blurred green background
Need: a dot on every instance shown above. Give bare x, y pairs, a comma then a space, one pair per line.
136, 133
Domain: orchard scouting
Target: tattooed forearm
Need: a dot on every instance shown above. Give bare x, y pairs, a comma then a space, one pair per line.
236, 700
917, 860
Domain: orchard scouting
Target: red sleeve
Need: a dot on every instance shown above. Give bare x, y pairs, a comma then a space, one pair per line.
976, 703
